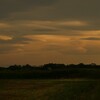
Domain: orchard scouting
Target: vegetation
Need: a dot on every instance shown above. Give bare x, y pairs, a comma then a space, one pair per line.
51, 71
62, 89
50, 82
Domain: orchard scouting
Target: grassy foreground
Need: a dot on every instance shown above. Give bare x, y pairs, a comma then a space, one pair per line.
64, 89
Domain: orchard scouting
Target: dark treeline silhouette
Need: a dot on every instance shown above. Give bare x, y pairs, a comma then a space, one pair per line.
50, 71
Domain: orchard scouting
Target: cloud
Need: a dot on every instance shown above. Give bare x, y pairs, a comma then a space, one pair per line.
5, 38
43, 27
14, 40
8, 7
55, 28
9, 44
91, 38
50, 39
50, 9
60, 43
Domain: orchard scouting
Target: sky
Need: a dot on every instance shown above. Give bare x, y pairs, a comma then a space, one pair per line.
49, 31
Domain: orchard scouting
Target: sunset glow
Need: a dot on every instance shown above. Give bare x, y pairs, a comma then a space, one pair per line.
38, 32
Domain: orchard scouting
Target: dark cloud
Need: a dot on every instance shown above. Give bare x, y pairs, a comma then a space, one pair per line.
84, 9
16, 40
44, 30
55, 9
15, 44
91, 38
8, 7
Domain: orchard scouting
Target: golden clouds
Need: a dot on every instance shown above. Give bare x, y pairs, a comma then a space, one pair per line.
63, 44
53, 48
5, 38
74, 23
90, 33
55, 23
49, 38
58, 43
42, 30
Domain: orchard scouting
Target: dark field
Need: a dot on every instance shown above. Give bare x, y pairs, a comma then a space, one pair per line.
62, 89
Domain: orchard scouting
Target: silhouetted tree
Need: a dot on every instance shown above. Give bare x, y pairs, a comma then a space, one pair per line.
14, 67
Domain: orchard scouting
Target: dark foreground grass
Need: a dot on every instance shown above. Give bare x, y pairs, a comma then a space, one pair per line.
65, 89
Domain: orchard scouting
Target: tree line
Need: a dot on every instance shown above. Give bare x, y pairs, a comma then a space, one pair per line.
50, 71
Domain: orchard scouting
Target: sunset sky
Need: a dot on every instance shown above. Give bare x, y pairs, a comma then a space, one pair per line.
44, 31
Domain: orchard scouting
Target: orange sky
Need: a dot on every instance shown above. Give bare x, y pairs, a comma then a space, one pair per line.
60, 31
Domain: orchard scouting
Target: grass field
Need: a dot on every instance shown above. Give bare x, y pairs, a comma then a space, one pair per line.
64, 89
